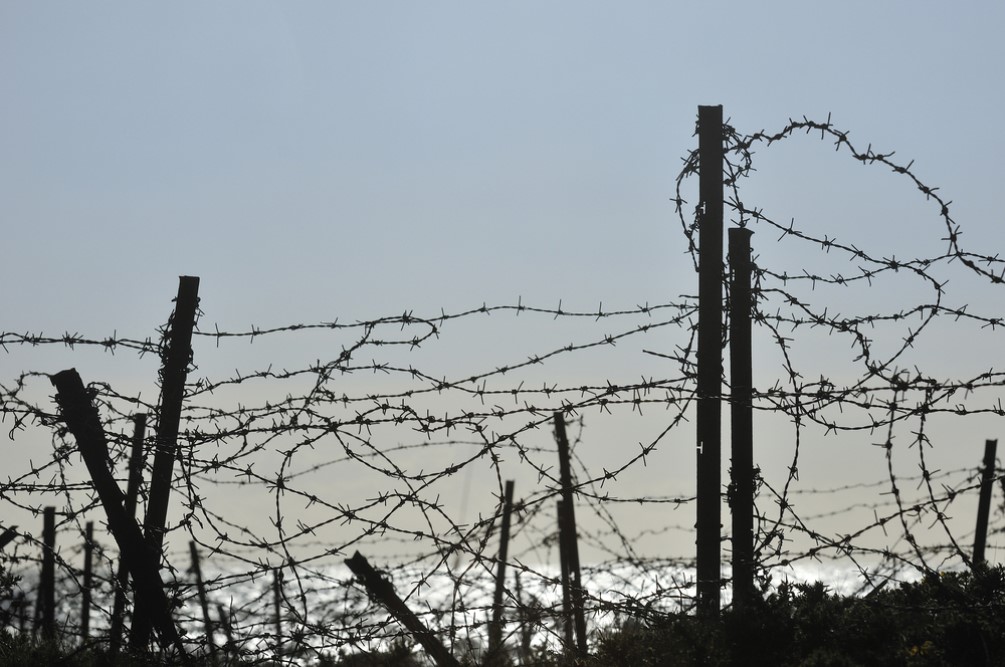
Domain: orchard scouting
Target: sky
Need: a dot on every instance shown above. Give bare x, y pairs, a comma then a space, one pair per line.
320, 160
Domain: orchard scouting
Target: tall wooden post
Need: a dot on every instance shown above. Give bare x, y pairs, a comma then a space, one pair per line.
709, 411
984, 503
175, 360
741, 495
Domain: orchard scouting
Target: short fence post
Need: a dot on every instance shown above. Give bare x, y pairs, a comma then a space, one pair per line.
85, 605
525, 630
228, 632
741, 491
709, 410
496, 628
984, 504
567, 534
132, 494
277, 601
8, 536
21, 605
203, 602
47, 584
563, 559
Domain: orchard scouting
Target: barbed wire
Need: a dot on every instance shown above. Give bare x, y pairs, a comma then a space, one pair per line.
283, 472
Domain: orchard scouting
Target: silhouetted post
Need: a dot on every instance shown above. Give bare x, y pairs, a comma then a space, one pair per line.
132, 495
741, 495
85, 605
382, 590
21, 605
174, 370
47, 583
81, 418
496, 628
277, 601
228, 632
567, 528
563, 559
984, 505
525, 630
8, 536
709, 411
203, 602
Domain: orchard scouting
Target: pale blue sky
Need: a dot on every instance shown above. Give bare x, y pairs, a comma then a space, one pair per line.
315, 160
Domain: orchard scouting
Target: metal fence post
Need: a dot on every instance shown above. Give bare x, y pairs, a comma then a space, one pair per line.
709, 410
741, 496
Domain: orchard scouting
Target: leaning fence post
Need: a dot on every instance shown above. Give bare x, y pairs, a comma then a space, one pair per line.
47, 585
709, 410
382, 590
82, 421
984, 504
741, 496
567, 530
132, 494
176, 357
85, 605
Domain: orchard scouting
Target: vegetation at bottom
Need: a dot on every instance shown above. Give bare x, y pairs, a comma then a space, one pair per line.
945, 619
954, 618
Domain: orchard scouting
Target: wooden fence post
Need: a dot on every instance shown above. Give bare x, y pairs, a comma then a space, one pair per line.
383, 591
133, 481
82, 421
984, 503
709, 410
174, 371
496, 627
568, 532
47, 584
85, 605
741, 490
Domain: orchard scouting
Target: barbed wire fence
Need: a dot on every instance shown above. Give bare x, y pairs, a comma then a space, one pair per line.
373, 437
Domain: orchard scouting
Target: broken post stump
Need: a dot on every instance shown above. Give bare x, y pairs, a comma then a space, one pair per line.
381, 590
